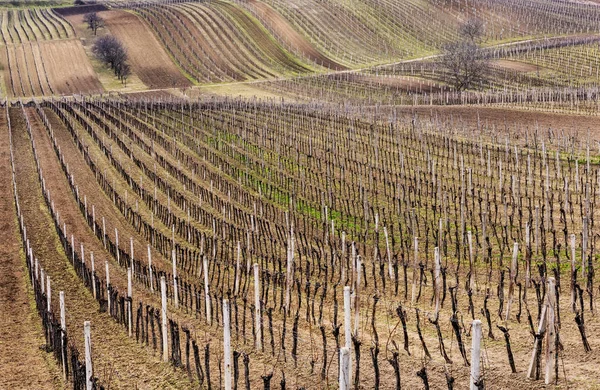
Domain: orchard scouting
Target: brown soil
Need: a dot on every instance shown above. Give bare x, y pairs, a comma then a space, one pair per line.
148, 59
402, 83
516, 65
24, 364
284, 30
507, 119
48, 67
68, 68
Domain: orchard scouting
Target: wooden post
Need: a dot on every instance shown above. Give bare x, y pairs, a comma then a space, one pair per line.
175, 289
289, 269
104, 232
528, 256
94, 219
150, 269
437, 281
93, 274
227, 344
131, 251
573, 281
475, 354
389, 255
237, 270
357, 295
63, 326
206, 291
415, 271
117, 245
347, 315
551, 331
163, 294
42, 278
471, 261
48, 294
584, 246
532, 370
343, 258
82, 252
344, 380
89, 371
257, 307
130, 303
107, 285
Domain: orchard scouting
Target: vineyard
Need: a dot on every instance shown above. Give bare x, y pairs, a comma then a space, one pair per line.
366, 224
40, 56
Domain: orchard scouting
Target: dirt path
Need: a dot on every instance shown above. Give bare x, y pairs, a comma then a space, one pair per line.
117, 358
24, 364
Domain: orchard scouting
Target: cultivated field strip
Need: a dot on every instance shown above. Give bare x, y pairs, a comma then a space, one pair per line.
155, 71
221, 42
23, 362
48, 68
384, 30
284, 193
35, 24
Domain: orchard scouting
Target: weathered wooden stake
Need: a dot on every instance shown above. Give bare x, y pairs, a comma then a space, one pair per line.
475, 355
415, 271
437, 281
227, 344
107, 284
150, 269
63, 326
104, 232
573, 268
532, 370
129, 303
257, 307
237, 270
175, 289
344, 380
117, 246
551, 331
163, 293
89, 370
206, 291
48, 294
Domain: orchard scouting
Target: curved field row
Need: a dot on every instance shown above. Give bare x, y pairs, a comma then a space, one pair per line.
48, 68
377, 34
294, 41
24, 363
124, 362
360, 33
36, 24
220, 42
147, 57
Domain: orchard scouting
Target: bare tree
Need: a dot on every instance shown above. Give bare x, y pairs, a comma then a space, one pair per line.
112, 53
465, 62
472, 29
94, 21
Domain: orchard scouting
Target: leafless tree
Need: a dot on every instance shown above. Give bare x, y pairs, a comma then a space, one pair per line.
94, 21
112, 53
465, 63
472, 29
